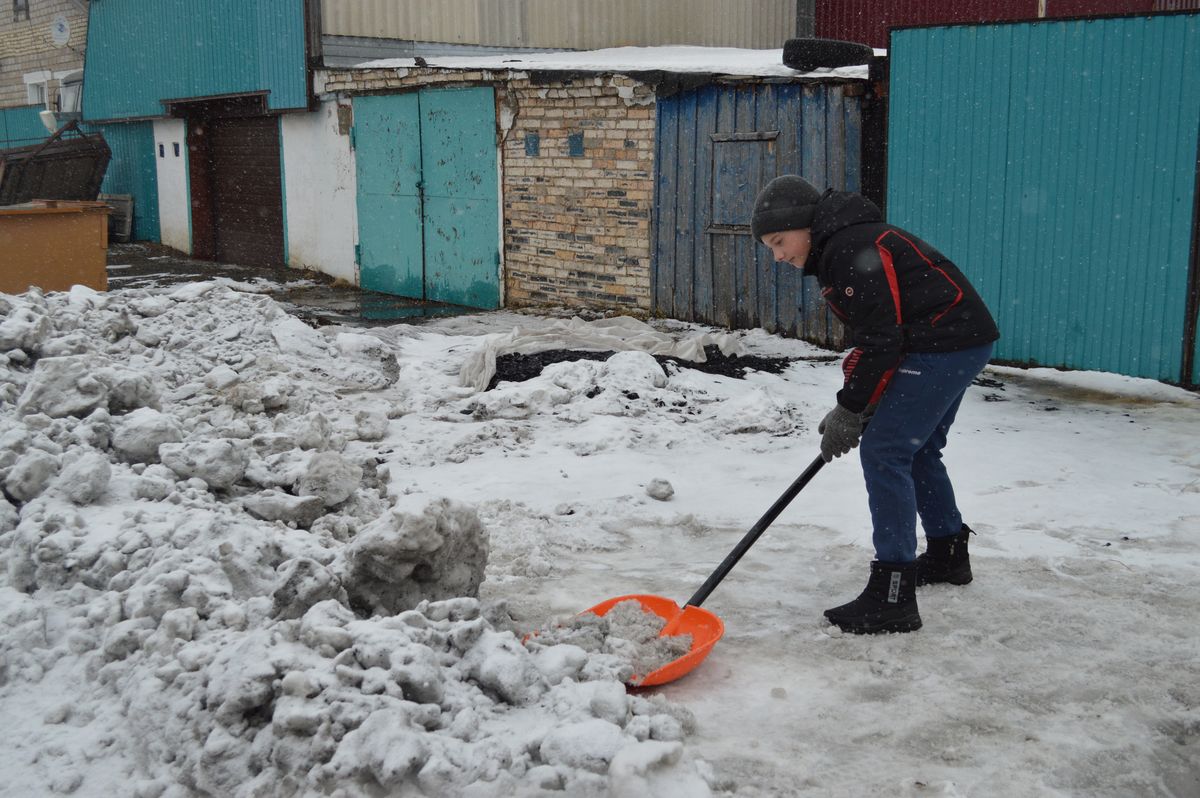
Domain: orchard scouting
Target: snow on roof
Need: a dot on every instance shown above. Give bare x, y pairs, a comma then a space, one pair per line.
706, 60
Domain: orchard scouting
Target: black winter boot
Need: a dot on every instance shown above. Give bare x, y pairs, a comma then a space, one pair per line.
888, 604
945, 560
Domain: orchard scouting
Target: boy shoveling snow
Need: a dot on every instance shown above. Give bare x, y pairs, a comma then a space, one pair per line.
921, 334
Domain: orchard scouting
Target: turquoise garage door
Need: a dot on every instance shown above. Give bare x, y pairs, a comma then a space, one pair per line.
428, 204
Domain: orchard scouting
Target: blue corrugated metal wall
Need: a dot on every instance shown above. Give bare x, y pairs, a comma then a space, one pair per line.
1056, 162
141, 52
20, 127
716, 146
133, 171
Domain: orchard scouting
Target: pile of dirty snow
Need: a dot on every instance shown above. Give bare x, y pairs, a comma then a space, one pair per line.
210, 589
628, 633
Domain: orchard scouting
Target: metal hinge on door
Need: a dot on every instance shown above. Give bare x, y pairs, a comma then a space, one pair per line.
353, 136
358, 254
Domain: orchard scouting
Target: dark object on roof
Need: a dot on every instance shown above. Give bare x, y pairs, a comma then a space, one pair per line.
60, 168
805, 55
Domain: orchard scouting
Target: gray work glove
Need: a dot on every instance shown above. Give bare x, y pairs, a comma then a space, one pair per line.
840, 431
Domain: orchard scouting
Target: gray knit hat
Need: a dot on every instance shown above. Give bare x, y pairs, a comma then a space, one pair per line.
786, 203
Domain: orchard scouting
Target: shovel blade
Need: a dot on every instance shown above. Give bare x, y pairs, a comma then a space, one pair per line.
704, 627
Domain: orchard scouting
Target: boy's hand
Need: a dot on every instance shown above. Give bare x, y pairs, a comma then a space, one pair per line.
840, 431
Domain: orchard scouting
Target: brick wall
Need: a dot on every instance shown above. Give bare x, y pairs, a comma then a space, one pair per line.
577, 205
577, 222
26, 46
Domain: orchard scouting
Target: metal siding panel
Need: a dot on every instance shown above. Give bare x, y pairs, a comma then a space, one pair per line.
1080, 8
868, 21
133, 171
569, 24
217, 47
946, 157
20, 127
1097, 178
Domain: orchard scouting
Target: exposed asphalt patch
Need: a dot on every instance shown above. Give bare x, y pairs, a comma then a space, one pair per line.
517, 367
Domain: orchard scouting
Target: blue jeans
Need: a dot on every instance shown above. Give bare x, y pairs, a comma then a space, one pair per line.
901, 450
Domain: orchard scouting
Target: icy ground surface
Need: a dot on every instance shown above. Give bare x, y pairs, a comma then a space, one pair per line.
239, 556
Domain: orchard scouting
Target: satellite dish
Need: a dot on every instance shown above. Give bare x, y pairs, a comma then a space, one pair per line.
60, 31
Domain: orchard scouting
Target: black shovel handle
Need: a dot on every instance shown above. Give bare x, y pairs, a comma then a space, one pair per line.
755, 532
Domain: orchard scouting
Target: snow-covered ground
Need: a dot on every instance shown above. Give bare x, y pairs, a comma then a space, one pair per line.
239, 554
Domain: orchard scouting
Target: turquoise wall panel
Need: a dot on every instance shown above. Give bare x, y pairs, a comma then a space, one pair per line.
387, 141
462, 203
1055, 162
133, 171
21, 126
428, 207
141, 52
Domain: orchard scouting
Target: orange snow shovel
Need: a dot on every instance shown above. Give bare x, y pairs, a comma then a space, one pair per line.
704, 626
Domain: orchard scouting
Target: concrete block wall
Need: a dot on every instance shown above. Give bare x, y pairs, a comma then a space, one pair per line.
577, 202
26, 46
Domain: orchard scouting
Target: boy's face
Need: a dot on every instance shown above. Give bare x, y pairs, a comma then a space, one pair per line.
790, 246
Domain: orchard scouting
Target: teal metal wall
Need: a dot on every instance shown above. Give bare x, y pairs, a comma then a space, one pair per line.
141, 52
21, 126
133, 171
1056, 163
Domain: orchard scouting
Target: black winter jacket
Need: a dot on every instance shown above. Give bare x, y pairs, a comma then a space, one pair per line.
894, 293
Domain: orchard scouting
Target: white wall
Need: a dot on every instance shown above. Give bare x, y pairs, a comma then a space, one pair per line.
319, 192
174, 203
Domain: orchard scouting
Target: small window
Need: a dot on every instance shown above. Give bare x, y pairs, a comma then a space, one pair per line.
20, 10
575, 145
36, 84
533, 144
68, 97
70, 89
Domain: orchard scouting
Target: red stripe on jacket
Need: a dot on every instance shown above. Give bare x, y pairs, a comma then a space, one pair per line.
889, 271
891, 274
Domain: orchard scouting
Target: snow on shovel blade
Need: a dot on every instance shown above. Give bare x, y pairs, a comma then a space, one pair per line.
704, 627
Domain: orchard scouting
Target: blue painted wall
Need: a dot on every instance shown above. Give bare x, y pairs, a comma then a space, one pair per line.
716, 146
21, 126
141, 52
1056, 163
